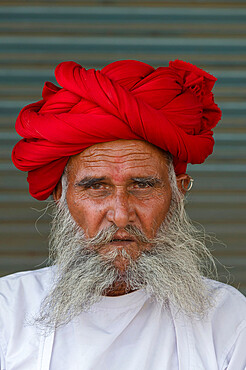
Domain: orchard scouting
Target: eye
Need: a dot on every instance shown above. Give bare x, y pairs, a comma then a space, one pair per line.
142, 185
96, 186
98, 189
141, 188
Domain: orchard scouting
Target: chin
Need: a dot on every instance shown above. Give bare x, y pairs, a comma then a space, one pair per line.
121, 264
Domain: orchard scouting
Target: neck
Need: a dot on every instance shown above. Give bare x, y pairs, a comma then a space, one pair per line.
117, 289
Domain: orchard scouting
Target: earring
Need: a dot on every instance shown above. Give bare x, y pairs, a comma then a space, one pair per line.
189, 187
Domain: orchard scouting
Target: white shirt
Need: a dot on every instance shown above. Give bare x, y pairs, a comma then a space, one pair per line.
129, 332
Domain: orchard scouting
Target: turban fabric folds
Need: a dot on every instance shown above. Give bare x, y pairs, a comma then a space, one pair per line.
170, 107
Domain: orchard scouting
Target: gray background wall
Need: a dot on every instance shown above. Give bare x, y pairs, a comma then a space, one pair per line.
36, 35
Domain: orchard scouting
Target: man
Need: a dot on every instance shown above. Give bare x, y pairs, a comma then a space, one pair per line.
129, 285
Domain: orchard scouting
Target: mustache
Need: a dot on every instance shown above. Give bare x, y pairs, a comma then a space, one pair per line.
106, 235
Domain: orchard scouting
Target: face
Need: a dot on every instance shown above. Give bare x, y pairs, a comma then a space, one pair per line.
124, 182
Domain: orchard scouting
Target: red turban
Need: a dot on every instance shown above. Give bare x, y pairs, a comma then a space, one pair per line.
170, 107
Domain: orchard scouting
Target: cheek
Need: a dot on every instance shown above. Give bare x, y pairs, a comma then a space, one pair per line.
85, 213
76, 207
154, 214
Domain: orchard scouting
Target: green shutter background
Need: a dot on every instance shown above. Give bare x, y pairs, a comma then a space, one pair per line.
36, 35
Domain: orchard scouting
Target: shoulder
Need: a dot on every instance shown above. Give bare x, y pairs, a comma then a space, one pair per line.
224, 328
227, 301
23, 275
20, 298
26, 282
40, 274
228, 316
22, 292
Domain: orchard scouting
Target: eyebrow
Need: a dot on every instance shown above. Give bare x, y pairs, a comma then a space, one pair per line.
88, 181
149, 180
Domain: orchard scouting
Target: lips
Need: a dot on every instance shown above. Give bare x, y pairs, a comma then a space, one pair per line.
122, 238
116, 240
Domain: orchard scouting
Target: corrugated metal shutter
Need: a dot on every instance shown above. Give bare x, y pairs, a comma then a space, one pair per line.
208, 33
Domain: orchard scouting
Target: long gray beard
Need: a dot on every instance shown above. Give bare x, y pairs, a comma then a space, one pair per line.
171, 271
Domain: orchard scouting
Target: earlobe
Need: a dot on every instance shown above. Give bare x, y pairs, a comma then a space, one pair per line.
57, 192
184, 183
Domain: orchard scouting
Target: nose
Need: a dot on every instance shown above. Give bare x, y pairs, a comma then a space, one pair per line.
121, 212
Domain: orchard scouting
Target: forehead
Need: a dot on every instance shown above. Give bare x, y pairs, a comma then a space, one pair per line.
121, 157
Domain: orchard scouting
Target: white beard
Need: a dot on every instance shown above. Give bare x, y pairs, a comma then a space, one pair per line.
171, 272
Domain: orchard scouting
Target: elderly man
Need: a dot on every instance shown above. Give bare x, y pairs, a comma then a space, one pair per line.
129, 286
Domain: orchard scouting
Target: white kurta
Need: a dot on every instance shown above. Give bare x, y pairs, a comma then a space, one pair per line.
129, 332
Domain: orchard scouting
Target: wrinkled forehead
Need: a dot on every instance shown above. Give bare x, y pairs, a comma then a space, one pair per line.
124, 155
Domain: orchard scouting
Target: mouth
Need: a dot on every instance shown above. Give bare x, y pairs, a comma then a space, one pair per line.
123, 240
119, 243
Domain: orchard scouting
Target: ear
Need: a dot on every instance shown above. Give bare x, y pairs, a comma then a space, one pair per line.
57, 192
183, 181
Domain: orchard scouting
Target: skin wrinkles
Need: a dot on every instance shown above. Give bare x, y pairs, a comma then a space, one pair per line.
115, 197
